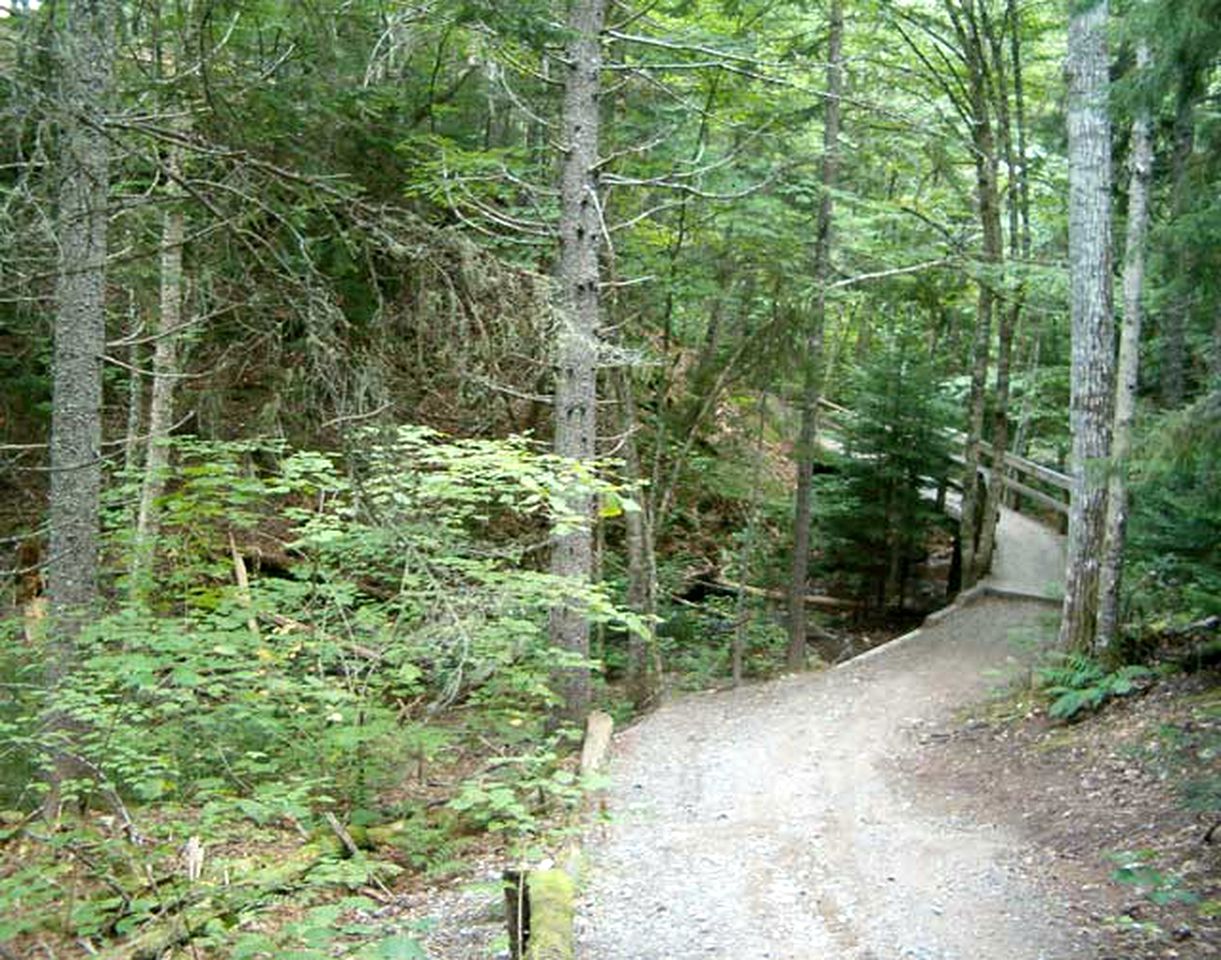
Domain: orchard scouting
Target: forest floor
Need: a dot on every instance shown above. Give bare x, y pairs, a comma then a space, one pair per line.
915, 802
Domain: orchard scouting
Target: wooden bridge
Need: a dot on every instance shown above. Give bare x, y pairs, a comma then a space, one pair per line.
1024, 478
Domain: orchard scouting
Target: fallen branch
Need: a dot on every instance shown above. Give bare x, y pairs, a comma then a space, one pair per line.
345, 838
812, 599
242, 578
167, 932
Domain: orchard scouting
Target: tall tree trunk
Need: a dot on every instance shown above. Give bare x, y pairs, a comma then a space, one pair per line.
80, 338
746, 553
1025, 238
1174, 317
643, 667
165, 368
802, 506
581, 231
966, 26
1093, 364
135, 389
1128, 366
1011, 312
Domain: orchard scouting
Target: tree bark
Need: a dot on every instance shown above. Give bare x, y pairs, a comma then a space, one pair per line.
1174, 317
983, 141
1128, 366
643, 668
1011, 312
812, 386
1092, 380
80, 338
135, 391
1022, 200
581, 230
165, 368
746, 552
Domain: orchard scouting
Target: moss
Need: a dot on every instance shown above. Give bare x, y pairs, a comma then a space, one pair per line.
551, 911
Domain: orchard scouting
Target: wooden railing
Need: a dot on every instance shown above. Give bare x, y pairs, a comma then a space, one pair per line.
1056, 485
1059, 483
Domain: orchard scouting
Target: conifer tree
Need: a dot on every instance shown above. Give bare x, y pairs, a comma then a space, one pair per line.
897, 447
84, 60
578, 314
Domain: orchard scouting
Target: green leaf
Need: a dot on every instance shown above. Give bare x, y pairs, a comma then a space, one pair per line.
398, 947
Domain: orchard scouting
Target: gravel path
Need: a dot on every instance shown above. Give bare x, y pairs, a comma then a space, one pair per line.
769, 822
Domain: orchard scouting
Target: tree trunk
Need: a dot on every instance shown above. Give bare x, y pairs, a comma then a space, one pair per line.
746, 553
643, 668
807, 437
135, 390
1011, 312
1128, 366
165, 368
1089, 263
984, 147
1022, 200
581, 230
80, 340
1174, 317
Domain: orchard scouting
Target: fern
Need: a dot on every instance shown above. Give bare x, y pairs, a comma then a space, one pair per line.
1078, 684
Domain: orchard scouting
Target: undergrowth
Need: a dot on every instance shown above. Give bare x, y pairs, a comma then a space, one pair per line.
317, 632
1077, 684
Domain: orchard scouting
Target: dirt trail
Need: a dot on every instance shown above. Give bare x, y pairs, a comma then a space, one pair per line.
769, 822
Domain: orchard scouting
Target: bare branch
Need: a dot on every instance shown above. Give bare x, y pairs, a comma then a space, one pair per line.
884, 274
720, 55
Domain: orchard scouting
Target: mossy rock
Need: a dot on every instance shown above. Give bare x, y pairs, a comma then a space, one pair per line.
551, 916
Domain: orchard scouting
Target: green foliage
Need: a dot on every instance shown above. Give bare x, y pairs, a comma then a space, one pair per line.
696, 641
1077, 684
874, 514
340, 928
1135, 868
395, 586
522, 789
1174, 540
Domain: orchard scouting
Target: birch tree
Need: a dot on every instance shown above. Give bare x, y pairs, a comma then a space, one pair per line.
1093, 363
1140, 172
165, 369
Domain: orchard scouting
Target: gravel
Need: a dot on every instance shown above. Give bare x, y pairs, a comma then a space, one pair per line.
767, 823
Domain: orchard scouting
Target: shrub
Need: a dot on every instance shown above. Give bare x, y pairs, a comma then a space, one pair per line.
401, 587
